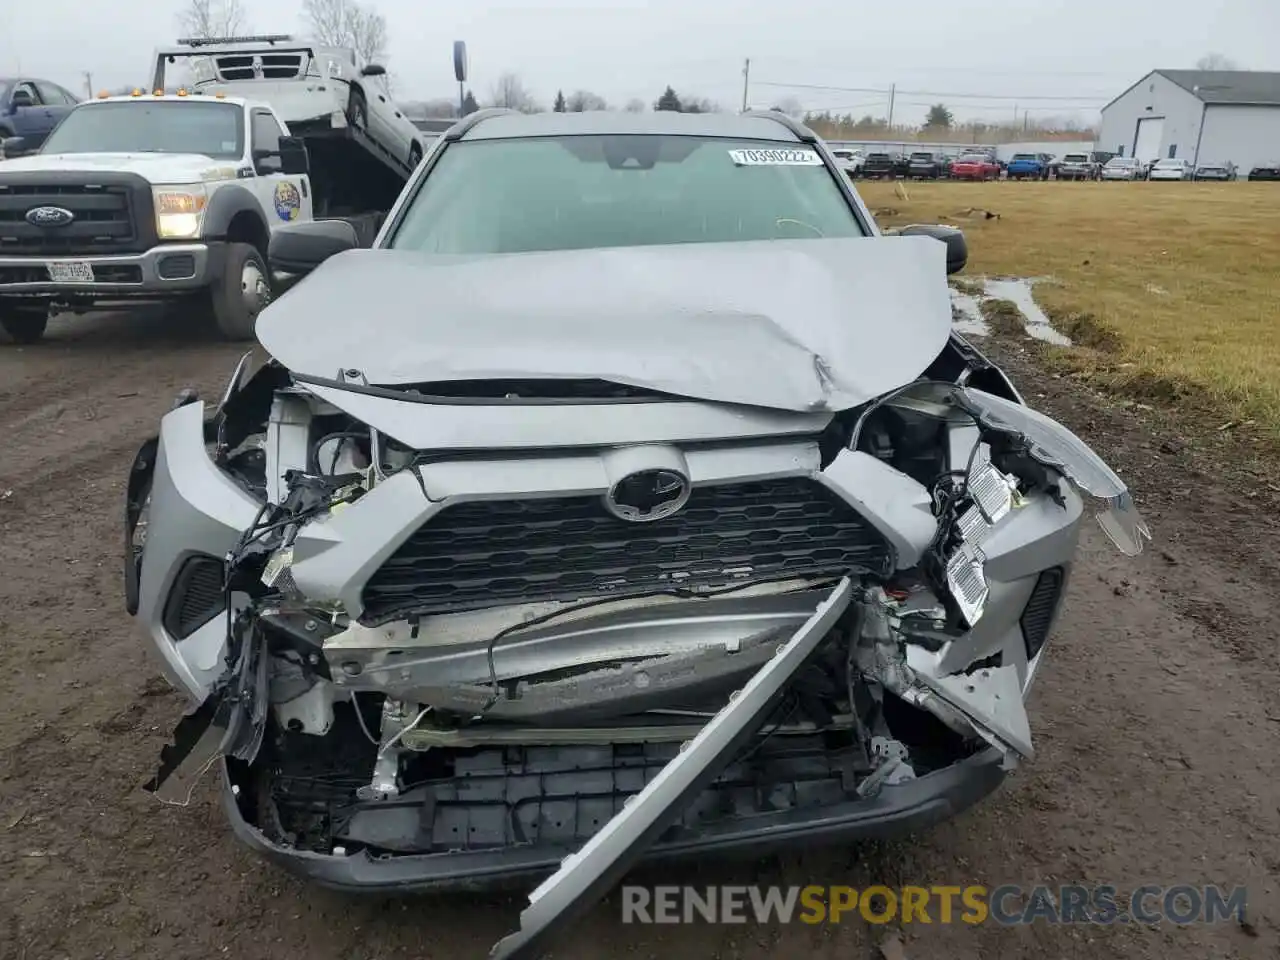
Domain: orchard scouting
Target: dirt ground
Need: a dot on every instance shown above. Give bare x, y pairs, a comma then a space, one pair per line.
1156, 720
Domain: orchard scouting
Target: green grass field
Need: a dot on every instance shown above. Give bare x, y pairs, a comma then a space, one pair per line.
1170, 290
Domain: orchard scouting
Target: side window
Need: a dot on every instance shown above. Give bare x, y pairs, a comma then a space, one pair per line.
51, 94
266, 134
25, 95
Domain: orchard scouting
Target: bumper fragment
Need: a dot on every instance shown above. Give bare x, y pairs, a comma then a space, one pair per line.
896, 810
166, 268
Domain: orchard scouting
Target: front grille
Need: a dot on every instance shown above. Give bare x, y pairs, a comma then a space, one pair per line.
260, 66
490, 553
196, 598
104, 222
1037, 616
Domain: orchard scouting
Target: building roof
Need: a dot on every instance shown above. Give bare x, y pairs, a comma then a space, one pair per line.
1257, 87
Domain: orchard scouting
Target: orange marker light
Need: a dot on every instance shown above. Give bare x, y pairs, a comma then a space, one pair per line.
137, 93
158, 93
103, 95
182, 91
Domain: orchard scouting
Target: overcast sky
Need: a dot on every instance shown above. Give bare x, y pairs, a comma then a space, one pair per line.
981, 57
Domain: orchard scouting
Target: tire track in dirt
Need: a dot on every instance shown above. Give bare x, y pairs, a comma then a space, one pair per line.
1155, 758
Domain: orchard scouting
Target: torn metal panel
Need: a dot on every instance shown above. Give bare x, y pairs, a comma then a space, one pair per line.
1055, 446
990, 697
782, 324
588, 873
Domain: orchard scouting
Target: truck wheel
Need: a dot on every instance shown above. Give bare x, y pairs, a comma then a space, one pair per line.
23, 327
238, 296
358, 112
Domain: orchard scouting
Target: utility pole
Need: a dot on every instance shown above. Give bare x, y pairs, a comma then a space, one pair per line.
746, 82
88, 83
893, 87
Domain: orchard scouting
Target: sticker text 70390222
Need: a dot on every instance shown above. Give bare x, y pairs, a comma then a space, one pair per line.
800, 157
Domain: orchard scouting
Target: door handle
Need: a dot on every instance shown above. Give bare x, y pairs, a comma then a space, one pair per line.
382, 98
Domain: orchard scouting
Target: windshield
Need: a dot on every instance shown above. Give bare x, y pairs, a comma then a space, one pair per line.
580, 192
972, 158
140, 126
1119, 162
922, 156
1024, 156
1075, 158
1168, 163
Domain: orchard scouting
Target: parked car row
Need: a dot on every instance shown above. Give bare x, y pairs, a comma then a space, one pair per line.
922, 165
1096, 165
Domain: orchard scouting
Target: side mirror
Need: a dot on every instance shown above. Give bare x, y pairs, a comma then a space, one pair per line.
301, 247
374, 70
14, 147
953, 237
294, 159
20, 99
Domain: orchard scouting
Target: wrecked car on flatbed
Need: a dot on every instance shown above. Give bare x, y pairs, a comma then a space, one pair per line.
651, 508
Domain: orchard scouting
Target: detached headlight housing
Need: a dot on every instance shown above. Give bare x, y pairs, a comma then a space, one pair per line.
180, 210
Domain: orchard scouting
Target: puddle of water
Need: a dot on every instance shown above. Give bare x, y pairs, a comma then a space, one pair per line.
966, 314
1018, 292
966, 308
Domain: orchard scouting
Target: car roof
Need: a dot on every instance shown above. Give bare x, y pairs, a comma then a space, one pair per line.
660, 122
174, 98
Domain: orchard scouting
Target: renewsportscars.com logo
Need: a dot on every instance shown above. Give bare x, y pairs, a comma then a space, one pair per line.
1007, 905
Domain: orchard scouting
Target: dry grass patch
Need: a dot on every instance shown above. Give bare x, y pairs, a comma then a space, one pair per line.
1170, 289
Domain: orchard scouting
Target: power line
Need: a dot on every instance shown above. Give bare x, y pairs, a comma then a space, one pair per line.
1012, 98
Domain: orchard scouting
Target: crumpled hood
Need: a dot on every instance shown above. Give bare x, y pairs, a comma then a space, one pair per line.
153, 167
800, 325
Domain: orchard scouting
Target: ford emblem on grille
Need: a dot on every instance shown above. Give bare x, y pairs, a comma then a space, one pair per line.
648, 495
49, 216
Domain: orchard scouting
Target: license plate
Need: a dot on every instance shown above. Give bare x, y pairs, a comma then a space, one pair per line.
70, 272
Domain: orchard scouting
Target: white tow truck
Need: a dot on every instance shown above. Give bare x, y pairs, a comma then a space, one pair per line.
362, 146
169, 197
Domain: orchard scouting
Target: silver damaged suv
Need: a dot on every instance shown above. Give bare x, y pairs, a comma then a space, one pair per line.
631, 498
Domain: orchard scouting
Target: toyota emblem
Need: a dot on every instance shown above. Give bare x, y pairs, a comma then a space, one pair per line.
648, 495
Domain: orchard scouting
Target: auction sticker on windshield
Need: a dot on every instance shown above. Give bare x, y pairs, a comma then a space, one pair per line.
776, 158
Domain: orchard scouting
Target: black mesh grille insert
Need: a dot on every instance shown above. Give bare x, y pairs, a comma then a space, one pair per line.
196, 597
103, 219
490, 553
1037, 616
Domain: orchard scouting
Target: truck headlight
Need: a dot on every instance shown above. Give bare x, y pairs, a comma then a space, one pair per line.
179, 210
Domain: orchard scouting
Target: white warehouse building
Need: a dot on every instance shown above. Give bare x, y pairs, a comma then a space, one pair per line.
1205, 116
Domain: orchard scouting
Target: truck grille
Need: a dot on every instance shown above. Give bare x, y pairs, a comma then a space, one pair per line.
260, 66
492, 553
104, 221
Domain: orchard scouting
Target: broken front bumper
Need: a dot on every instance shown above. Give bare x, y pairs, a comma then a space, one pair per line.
896, 810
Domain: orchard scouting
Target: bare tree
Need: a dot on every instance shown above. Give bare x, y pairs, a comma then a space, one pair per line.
636, 105
438, 108
699, 105
1216, 61
348, 23
213, 19
582, 100
510, 92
